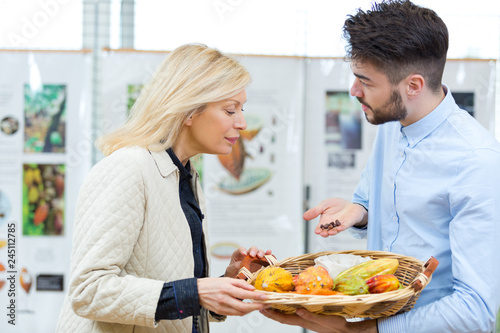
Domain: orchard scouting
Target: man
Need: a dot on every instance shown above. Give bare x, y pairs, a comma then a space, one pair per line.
432, 184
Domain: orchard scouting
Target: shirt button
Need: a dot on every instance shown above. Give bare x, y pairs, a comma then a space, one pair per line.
394, 218
401, 154
386, 249
393, 186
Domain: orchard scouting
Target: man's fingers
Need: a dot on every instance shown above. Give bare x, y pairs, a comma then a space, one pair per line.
319, 209
318, 319
328, 232
292, 320
282, 318
313, 213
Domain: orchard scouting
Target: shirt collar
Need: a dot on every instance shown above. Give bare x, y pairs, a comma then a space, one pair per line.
422, 128
184, 170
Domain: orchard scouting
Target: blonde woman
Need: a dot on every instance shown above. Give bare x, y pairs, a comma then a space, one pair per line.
139, 261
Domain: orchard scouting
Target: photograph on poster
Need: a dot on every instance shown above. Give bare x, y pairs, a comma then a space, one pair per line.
342, 160
133, 91
43, 199
243, 179
223, 250
465, 101
25, 281
5, 208
3, 276
9, 125
197, 164
45, 119
343, 121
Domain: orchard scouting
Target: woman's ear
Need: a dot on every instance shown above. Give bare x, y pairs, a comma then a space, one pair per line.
415, 84
189, 121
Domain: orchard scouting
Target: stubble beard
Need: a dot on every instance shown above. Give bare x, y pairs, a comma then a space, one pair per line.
392, 110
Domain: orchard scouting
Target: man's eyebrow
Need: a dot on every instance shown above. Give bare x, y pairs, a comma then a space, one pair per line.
362, 77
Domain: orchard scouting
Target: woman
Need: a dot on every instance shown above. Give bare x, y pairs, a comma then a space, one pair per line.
139, 261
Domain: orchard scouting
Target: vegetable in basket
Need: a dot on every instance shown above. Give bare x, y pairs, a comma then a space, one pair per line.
275, 279
353, 281
313, 279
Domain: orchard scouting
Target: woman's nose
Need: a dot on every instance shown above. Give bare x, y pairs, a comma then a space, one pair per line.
240, 122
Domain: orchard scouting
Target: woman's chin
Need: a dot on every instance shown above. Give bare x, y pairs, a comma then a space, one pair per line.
224, 151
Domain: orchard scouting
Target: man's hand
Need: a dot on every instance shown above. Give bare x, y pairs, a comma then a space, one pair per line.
321, 323
336, 209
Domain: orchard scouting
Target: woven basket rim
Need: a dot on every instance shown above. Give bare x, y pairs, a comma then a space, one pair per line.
292, 301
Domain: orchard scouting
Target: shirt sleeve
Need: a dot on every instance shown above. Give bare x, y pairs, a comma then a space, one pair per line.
361, 197
474, 231
362, 191
178, 299
394, 324
359, 233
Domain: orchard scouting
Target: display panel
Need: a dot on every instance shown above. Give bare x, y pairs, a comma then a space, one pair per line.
45, 153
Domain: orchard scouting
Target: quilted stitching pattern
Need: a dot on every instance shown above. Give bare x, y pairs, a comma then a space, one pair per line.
127, 210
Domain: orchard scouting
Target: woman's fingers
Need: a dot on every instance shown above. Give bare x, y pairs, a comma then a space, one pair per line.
224, 296
238, 308
254, 251
259, 253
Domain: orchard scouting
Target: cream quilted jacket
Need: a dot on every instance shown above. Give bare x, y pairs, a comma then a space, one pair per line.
130, 236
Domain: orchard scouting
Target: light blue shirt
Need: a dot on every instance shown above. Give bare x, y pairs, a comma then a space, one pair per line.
433, 189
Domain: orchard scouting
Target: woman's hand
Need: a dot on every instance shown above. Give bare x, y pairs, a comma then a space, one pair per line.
224, 296
239, 255
331, 210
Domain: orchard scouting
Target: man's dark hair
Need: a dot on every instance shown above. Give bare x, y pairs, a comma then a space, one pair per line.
400, 38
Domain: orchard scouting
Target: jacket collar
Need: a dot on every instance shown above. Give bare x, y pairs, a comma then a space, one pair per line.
163, 162
166, 166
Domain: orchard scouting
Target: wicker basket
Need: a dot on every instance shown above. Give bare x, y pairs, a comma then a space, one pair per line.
412, 273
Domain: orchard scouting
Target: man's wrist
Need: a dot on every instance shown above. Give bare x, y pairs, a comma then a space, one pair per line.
364, 222
365, 326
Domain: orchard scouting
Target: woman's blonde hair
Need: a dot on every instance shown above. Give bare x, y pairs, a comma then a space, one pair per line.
187, 80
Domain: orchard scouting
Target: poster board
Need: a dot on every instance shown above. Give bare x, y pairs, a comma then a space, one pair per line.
264, 207
44, 156
309, 134
338, 138
332, 164
268, 216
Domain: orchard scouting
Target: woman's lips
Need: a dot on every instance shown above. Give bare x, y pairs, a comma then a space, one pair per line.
232, 140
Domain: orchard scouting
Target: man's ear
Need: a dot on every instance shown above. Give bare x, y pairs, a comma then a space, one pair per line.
415, 84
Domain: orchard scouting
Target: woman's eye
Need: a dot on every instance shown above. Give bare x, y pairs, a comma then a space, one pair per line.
230, 111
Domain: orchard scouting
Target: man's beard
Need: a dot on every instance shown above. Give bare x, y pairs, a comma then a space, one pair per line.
392, 110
